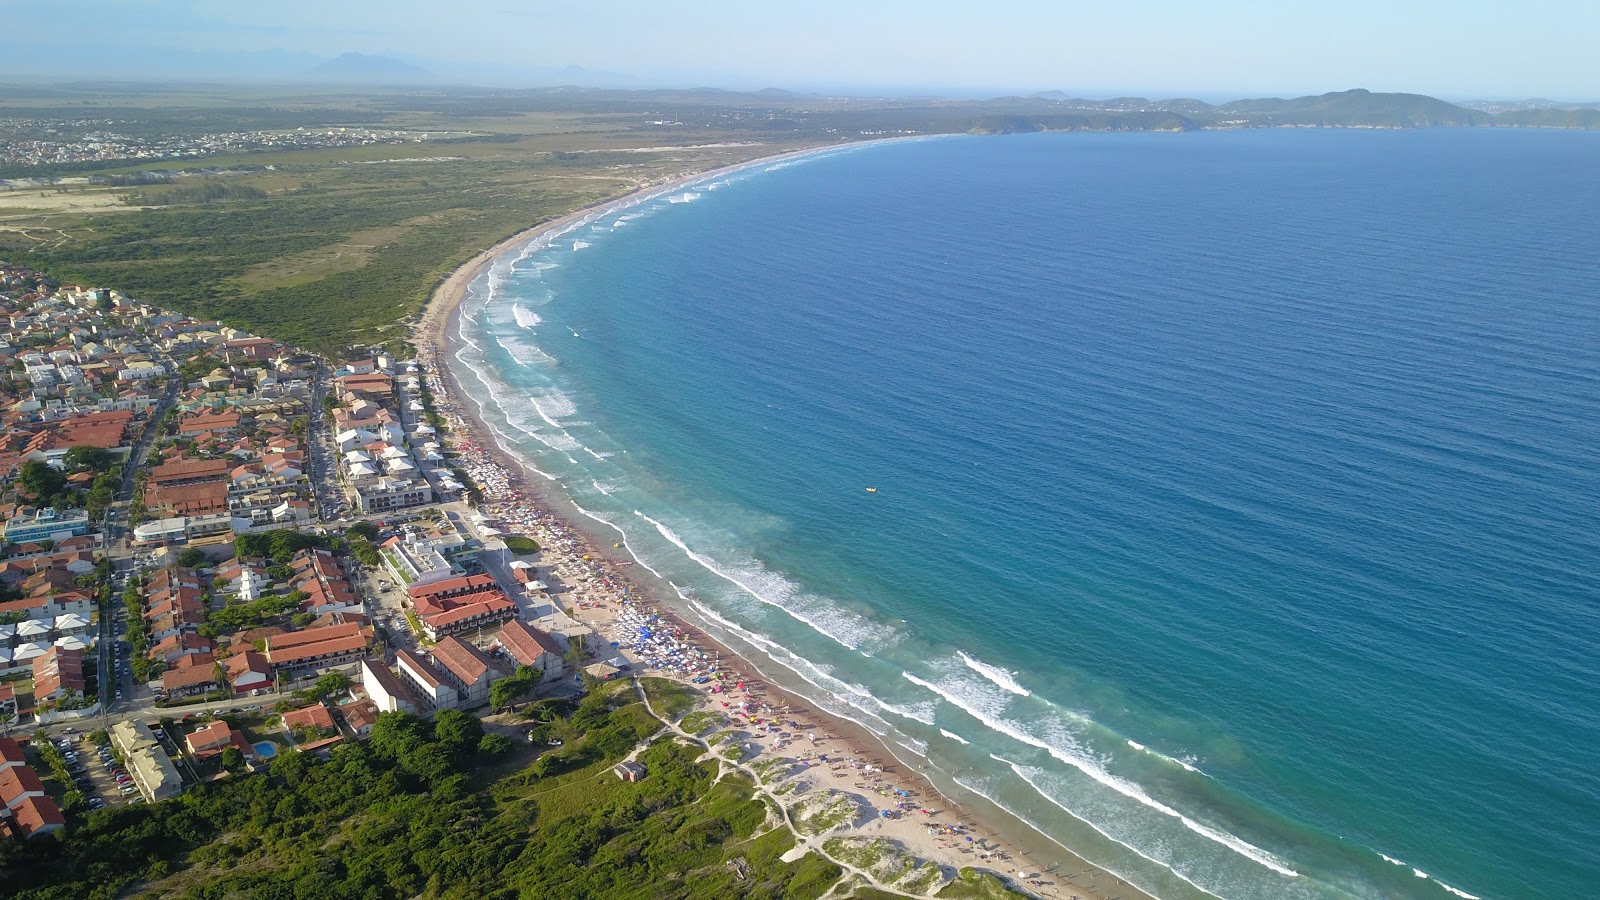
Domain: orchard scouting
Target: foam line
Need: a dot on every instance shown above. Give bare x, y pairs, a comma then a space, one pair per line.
1121, 786
1002, 678
711, 566
1046, 833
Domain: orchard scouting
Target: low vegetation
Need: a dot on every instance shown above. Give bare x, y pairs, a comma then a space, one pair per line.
412, 814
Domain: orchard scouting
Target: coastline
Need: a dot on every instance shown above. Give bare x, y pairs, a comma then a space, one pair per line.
1031, 862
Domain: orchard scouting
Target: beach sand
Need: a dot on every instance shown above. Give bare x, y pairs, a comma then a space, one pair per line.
818, 760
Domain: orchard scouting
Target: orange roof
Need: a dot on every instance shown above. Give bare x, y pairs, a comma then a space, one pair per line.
526, 644
464, 661
321, 648
310, 636
193, 676
37, 813
184, 469
316, 716
16, 781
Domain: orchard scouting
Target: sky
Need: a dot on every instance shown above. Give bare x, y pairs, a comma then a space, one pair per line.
1215, 49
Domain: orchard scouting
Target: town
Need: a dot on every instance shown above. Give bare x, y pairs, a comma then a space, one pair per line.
218, 549
40, 142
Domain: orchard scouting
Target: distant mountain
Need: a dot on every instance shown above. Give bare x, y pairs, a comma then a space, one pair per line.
361, 67
1353, 108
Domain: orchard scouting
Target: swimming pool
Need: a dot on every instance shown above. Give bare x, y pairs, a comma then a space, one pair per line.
266, 750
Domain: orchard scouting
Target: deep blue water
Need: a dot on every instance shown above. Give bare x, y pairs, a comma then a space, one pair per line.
1237, 493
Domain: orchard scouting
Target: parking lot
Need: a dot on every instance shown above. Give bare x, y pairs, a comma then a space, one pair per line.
96, 773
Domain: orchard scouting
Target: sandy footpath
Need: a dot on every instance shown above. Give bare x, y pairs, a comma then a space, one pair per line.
820, 768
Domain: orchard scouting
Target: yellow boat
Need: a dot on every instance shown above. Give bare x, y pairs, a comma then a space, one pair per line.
872, 490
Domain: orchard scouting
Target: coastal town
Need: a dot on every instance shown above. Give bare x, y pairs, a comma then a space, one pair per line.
221, 550
44, 142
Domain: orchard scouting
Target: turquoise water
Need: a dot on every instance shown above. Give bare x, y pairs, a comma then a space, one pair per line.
1235, 494
266, 750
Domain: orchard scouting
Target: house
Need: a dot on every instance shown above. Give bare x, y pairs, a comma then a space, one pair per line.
197, 675
428, 682
248, 672
8, 705
210, 740
360, 716
11, 754
315, 718
386, 691
37, 816
468, 668
629, 770
529, 646
18, 783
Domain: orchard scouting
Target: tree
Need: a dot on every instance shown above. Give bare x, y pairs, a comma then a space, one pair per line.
456, 730
83, 458
329, 684
505, 691
191, 558
232, 759
494, 745
365, 530
40, 480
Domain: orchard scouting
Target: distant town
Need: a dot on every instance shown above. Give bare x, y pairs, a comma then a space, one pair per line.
218, 548
38, 142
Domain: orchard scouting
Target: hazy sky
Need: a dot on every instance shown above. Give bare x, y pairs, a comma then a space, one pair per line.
1462, 48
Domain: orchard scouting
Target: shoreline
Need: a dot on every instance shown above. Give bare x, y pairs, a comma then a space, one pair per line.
1030, 861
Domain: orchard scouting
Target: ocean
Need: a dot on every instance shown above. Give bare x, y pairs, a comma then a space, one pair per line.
1221, 505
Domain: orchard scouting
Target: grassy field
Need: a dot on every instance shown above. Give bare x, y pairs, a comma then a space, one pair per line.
345, 244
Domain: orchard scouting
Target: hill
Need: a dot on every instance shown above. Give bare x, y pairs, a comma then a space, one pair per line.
1353, 108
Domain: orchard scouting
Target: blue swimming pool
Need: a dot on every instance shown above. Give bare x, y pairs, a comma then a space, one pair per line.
266, 750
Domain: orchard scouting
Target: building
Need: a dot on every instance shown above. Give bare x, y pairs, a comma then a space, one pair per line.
468, 668
429, 683
455, 605
630, 770
11, 754
315, 718
299, 652
360, 716
213, 738
18, 783
529, 646
8, 703
386, 691
58, 675
147, 763
37, 816
47, 524
249, 672
198, 676
188, 528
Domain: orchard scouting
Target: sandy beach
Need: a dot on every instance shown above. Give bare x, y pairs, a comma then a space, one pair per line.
818, 766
